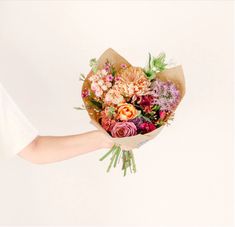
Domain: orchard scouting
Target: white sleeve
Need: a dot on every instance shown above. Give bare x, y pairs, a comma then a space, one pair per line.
16, 132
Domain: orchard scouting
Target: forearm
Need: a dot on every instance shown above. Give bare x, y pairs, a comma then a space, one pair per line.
47, 149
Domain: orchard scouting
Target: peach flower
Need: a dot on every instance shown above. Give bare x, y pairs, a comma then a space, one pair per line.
126, 112
132, 81
113, 97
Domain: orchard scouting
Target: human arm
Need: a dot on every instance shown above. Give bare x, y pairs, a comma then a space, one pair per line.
49, 149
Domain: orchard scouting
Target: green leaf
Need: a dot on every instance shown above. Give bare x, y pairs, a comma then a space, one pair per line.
111, 111
94, 65
146, 118
149, 62
155, 65
79, 108
113, 71
149, 73
82, 77
96, 103
158, 63
156, 108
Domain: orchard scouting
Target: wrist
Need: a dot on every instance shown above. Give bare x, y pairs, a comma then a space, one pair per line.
103, 140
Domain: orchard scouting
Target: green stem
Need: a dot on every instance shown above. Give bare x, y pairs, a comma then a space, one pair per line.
127, 157
110, 151
112, 159
123, 159
125, 169
117, 156
125, 162
129, 160
133, 161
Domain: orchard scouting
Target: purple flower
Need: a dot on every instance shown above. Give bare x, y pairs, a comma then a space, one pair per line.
165, 94
123, 129
143, 126
137, 121
123, 66
109, 78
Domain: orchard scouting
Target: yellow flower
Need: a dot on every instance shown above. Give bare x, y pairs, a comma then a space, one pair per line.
126, 112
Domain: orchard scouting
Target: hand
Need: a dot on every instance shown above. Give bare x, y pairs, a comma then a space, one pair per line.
105, 141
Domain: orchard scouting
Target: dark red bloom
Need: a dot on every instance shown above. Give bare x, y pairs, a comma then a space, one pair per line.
147, 127
146, 103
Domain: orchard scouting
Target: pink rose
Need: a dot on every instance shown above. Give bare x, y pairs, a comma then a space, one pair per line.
124, 129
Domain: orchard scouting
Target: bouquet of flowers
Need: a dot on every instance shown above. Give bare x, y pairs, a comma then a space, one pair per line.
130, 104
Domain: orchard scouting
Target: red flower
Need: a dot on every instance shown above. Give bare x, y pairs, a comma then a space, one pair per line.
146, 103
147, 127
162, 114
85, 93
107, 123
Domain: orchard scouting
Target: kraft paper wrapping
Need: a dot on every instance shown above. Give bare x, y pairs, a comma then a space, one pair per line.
174, 75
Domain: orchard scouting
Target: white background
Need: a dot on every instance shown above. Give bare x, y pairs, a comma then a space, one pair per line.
184, 176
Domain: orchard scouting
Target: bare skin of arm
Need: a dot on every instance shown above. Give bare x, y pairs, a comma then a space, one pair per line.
49, 149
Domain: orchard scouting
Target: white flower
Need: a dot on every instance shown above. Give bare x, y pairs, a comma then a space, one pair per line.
94, 77
113, 96
108, 84
104, 87
99, 92
103, 72
94, 86
100, 82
